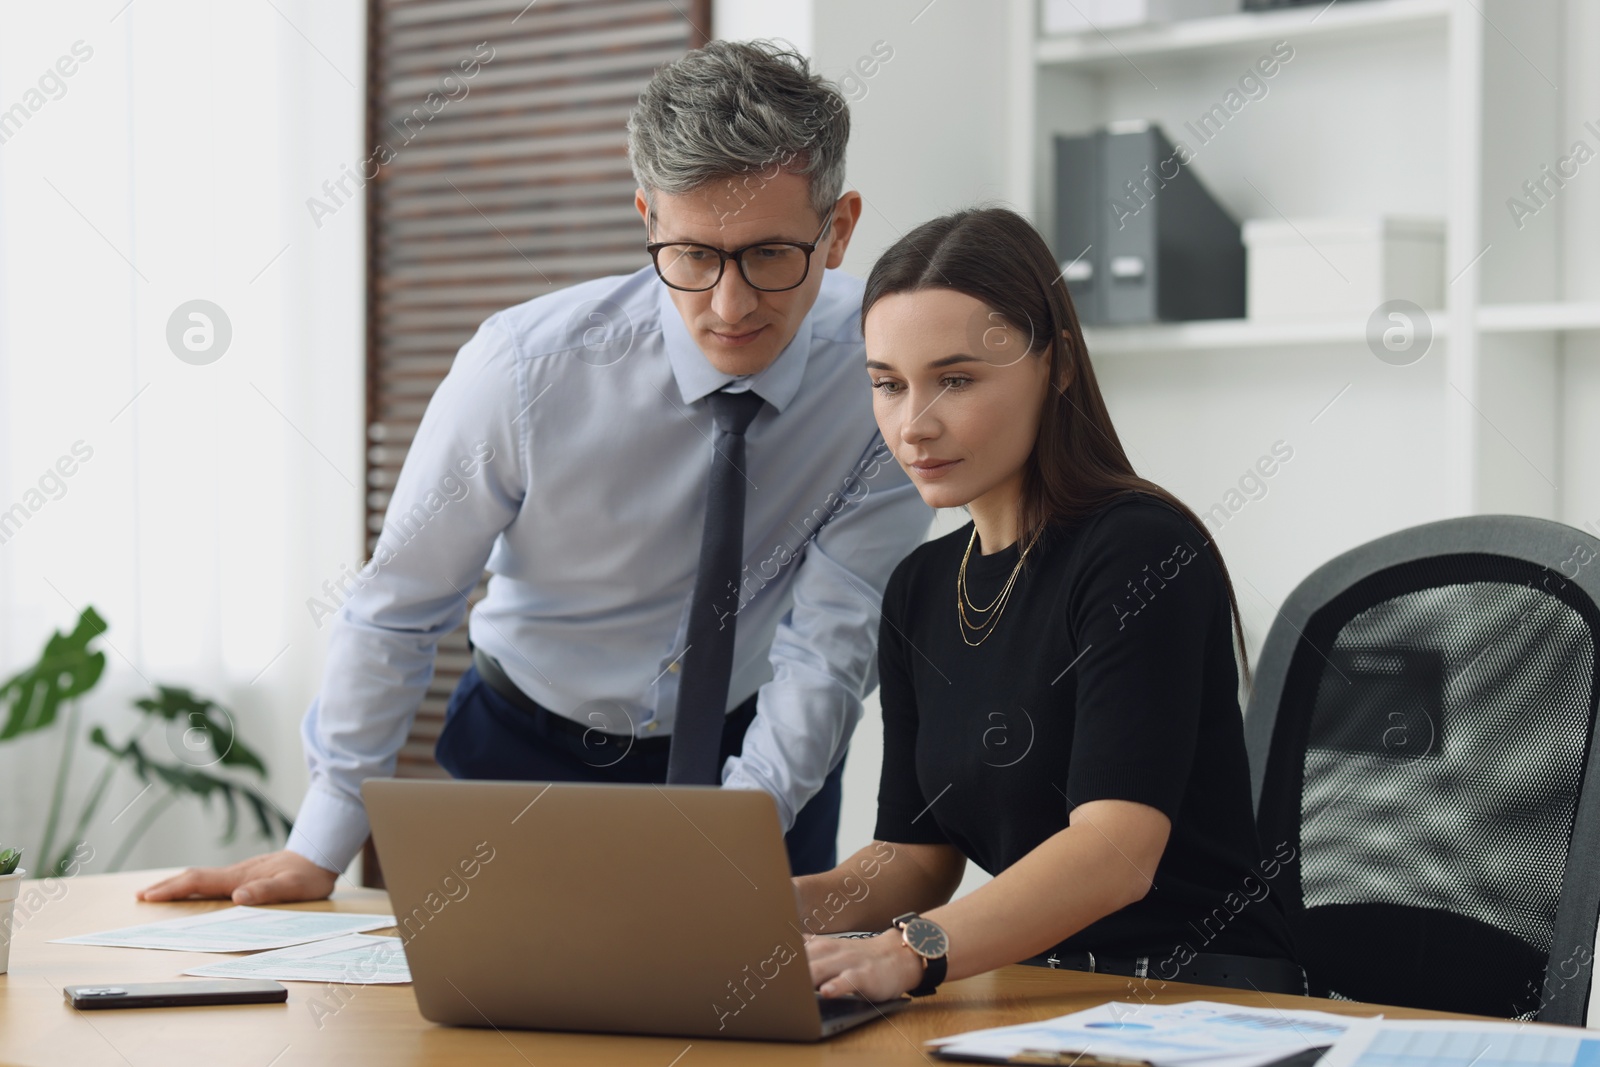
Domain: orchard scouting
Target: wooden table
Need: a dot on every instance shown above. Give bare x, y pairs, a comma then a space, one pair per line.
348, 1025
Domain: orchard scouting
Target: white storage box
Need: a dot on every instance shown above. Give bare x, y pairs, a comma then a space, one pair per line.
1341, 268
1077, 16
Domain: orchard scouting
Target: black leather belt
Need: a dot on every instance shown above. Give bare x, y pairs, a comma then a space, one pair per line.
582, 736
1206, 968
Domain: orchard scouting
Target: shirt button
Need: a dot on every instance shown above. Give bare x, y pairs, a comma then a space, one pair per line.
651, 728
675, 667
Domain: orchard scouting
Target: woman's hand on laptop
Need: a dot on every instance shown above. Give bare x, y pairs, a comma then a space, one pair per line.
273, 878
878, 968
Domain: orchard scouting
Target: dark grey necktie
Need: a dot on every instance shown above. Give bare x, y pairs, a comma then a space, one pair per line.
713, 608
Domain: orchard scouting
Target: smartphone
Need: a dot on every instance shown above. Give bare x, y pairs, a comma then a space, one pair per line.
175, 994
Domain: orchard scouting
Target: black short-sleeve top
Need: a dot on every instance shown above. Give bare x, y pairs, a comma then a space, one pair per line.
1109, 674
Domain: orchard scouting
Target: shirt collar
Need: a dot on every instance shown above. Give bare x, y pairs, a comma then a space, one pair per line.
697, 378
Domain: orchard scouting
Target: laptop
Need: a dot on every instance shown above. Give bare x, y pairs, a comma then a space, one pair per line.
616, 908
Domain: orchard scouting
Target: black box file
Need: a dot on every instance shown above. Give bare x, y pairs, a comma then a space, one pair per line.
1138, 238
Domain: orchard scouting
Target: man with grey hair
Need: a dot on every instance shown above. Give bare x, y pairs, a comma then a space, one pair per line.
676, 483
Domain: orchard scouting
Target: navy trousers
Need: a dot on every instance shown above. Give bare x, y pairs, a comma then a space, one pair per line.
486, 736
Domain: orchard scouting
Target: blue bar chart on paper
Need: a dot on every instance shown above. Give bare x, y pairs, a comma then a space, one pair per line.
1381, 1043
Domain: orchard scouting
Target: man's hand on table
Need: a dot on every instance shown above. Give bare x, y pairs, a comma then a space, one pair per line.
273, 878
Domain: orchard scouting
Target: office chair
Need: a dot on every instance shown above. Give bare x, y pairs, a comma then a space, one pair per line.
1419, 731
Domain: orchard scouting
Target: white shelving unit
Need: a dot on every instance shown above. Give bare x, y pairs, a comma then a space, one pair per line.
1348, 21
1423, 107
1228, 334
1555, 317
1539, 318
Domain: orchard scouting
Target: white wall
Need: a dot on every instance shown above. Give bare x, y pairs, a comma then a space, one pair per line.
1579, 222
923, 139
175, 165
742, 20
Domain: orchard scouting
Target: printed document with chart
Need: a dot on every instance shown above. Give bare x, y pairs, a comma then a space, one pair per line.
1407, 1043
1196, 1034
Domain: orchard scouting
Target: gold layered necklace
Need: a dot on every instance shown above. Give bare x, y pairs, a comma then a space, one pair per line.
989, 615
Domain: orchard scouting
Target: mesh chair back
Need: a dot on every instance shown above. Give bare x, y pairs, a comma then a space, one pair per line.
1421, 724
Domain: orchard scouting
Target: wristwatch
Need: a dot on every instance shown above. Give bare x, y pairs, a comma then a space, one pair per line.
928, 940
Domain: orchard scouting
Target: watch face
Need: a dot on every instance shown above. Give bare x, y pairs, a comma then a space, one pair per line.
926, 938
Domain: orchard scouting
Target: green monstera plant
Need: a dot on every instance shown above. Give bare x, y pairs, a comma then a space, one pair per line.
32, 700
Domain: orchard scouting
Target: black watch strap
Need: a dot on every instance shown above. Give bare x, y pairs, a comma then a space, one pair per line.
932, 975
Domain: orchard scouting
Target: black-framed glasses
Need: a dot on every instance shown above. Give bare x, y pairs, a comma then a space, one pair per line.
771, 266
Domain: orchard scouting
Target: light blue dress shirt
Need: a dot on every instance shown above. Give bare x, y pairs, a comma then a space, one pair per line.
568, 451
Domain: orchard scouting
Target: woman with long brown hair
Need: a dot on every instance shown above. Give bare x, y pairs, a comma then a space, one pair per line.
1058, 678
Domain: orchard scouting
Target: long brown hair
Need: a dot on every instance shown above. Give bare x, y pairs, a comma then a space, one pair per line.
1077, 464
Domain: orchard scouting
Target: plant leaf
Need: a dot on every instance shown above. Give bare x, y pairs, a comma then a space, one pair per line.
182, 778
263, 814
65, 669
206, 719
